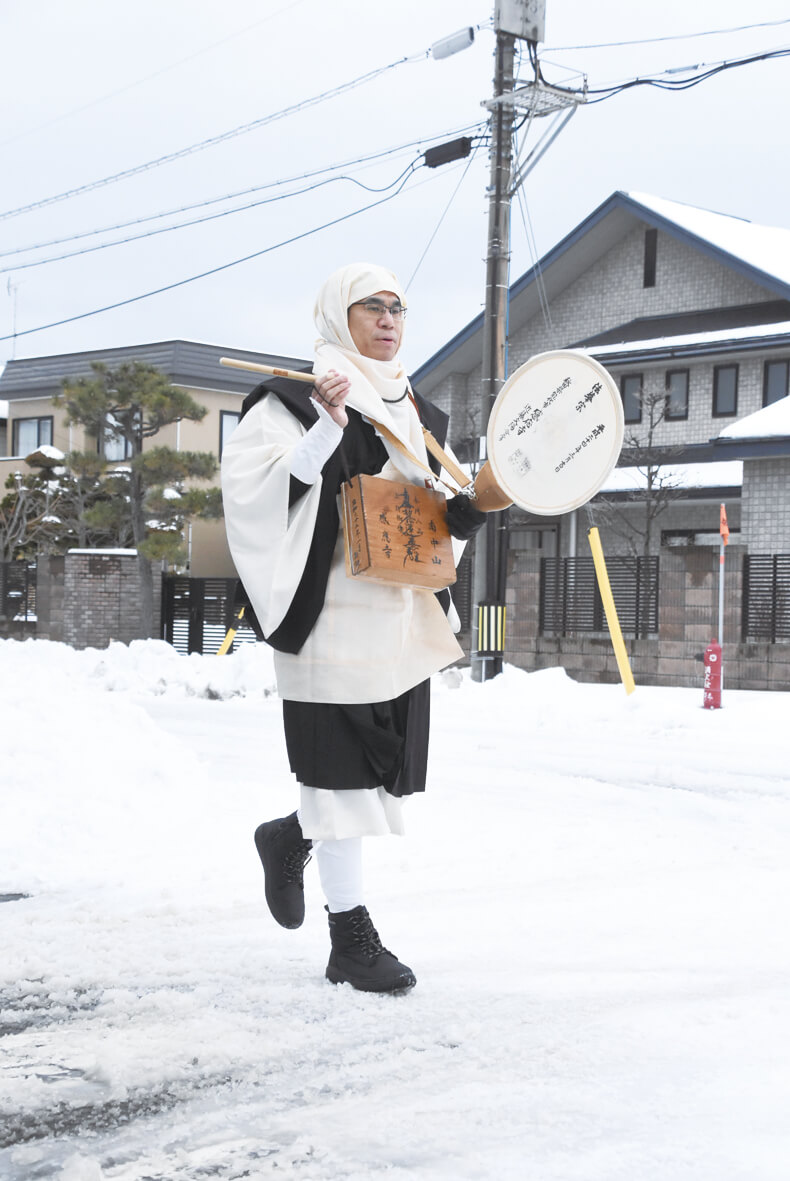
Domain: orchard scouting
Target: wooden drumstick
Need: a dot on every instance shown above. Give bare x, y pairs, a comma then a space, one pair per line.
271, 369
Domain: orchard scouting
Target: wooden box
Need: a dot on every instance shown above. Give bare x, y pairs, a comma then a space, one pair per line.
397, 533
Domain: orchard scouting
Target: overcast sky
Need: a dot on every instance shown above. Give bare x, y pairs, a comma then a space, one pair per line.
90, 90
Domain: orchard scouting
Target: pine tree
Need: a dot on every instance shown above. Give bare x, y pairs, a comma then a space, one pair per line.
145, 498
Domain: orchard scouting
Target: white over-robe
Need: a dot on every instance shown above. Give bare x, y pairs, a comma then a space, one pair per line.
371, 642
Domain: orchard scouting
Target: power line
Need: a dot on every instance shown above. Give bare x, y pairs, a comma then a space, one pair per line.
359, 160
213, 271
529, 232
201, 220
672, 37
682, 83
441, 219
149, 77
212, 141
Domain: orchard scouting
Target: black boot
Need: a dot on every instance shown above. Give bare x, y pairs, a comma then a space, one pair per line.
358, 958
284, 853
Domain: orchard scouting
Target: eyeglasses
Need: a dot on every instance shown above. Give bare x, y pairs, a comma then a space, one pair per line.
377, 309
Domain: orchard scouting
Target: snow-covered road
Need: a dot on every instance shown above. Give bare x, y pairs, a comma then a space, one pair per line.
591, 894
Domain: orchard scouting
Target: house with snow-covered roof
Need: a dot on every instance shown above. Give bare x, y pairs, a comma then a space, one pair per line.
196, 602
29, 384
689, 310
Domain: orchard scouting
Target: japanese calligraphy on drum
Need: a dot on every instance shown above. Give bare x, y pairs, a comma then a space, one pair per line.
555, 432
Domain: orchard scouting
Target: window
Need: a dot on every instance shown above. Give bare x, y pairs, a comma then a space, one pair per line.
651, 250
31, 433
775, 381
631, 392
114, 446
678, 393
725, 390
227, 424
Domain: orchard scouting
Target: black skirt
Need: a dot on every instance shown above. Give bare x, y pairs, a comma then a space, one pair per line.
382, 744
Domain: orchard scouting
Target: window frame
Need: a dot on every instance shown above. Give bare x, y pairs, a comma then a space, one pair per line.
624, 377
38, 419
715, 411
766, 365
677, 417
223, 414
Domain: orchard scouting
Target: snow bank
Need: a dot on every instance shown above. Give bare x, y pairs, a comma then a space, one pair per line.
143, 667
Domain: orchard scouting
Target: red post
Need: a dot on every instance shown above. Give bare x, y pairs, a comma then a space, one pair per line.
711, 696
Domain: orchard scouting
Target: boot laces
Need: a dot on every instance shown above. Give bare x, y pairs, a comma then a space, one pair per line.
295, 860
367, 937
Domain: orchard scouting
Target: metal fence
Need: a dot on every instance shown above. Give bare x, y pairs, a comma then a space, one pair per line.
18, 591
461, 590
570, 601
197, 612
766, 597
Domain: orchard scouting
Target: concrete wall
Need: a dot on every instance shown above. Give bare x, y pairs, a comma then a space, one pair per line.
688, 620
50, 587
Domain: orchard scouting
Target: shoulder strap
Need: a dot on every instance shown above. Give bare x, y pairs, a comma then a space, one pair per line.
447, 463
436, 450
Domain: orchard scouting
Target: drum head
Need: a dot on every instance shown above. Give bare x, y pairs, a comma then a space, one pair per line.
555, 432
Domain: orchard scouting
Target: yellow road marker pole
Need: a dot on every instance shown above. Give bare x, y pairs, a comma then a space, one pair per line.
613, 623
225, 646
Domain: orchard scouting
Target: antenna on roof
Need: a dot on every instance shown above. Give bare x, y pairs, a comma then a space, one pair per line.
12, 289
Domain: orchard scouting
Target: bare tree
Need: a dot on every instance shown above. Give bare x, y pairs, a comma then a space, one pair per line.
27, 515
635, 518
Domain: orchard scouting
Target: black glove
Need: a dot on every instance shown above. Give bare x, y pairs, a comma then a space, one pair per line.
463, 519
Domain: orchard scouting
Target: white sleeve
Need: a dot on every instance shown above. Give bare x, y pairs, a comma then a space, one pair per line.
312, 451
269, 541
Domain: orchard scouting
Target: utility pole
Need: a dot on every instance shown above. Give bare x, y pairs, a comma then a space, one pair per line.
488, 544
514, 20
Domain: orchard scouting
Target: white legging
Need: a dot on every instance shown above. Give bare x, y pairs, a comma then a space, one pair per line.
340, 871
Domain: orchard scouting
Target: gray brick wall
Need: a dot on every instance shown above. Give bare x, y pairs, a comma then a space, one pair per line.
610, 293
102, 600
453, 397
766, 505
700, 426
613, 521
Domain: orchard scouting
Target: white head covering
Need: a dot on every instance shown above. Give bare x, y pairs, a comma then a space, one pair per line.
348, 285
373, 383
